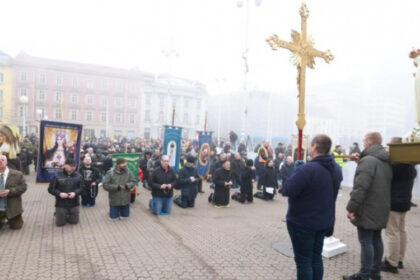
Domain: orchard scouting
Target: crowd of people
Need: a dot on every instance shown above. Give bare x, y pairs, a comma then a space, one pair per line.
380, 198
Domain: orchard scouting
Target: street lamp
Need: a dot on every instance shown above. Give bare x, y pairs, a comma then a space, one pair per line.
241, 4
24, 100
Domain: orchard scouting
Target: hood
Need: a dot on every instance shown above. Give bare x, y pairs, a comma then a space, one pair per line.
326, 161
376, 151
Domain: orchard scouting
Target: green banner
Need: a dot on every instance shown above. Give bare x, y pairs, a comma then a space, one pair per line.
132, 163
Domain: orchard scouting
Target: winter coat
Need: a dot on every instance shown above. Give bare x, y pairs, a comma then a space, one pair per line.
286, 171
236, 167
159, 177
269, 177
90, 175
403, 176
188, 189
221, 192
312, 192
370, 199
16, 184
66, 183
119, 184
247, 175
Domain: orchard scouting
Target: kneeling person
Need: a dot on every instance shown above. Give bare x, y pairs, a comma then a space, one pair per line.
223, 182
118, 182
67, 186
162, 181
188, 181
247, 180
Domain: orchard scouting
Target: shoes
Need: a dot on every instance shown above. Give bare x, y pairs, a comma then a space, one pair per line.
353, 277
375, 277
400, 265
387, 267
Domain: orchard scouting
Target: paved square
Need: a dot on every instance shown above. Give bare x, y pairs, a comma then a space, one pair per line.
200, 243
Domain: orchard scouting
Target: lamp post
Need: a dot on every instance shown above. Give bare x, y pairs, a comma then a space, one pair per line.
24, 100
240, 4
170, 53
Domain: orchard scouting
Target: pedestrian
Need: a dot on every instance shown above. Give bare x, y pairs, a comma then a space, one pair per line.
12, 186
403, 176
162, 181
312, 191
118, 183
370, 203
67, 186
91, 179
188, 181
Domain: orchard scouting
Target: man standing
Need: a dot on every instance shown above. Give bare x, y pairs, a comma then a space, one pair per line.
162, 181
66, 186
369, 205
312, 192
91, 180
188, 182
12, 186
118, 182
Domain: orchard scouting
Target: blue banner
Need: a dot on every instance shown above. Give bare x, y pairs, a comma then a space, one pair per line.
57, 142
203, 162
172, 145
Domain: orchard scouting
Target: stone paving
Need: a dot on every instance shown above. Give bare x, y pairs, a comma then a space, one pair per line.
200, 243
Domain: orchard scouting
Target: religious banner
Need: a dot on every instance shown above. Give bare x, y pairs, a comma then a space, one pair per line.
57, 142
203, 163
132, 163
172, 145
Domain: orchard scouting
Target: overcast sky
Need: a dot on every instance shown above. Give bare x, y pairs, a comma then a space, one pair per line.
370, 39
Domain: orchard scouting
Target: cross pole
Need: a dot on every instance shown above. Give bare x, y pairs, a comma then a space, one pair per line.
303, 55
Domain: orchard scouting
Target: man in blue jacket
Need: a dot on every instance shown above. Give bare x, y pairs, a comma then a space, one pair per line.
312, 191
188, 182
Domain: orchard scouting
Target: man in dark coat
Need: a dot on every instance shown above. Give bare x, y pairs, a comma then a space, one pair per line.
312, 191
369, 205
12, 186
403, 176
143, 167
223, 182
247, 181
67, 186
237, 164
162, 181
188, 180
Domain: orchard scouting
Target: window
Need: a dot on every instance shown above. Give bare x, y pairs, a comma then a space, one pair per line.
23, 76
89, 116
1, 78
147, 133
89, 85
198, 104
73, 115
132, 102
147, 115
119, 102
23, 92
41, 113
197, 120
104, 100
132, 118
1, 112
148, 99
42, 78
89, 99
103, 116
105, 84
118, 117
160, 117
59, 80
186, 102
41, 95
1, 95
58, 114
185, 118
58, 96
161, 100
75, 82
73, 98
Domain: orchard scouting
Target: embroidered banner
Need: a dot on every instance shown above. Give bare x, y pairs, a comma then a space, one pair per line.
172, 145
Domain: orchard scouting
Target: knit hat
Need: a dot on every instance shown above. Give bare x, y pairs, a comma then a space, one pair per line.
190, 159
70, 162
249, 162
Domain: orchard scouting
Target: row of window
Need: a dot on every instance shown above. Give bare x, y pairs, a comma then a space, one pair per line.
148, 101
161, 117
75, 82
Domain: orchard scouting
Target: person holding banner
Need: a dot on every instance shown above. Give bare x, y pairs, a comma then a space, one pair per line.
188, 181
162, 181
118, 182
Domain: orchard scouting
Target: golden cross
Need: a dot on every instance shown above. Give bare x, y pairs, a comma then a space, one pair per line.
303, 55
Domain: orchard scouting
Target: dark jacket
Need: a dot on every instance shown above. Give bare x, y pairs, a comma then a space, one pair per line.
236, 167
286, 171
63, 182
16, 184
269, 177
159, 177
188, 188
247, 175
370, 199
90, 175
221, 192
403, 176
312, 192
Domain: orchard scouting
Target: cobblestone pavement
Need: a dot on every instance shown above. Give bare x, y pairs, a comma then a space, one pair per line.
200, 243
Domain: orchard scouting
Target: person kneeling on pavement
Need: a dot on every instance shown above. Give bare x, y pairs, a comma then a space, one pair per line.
162, 181
118, 182
223, 182
269, 181
188, 180
91, 180
247, 181
67, 186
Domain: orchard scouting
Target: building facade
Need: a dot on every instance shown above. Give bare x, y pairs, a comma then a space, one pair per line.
107, 101
6, 89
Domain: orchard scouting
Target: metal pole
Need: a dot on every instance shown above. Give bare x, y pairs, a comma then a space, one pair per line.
24, 120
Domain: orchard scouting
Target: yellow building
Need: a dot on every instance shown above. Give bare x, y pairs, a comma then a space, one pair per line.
6, 87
